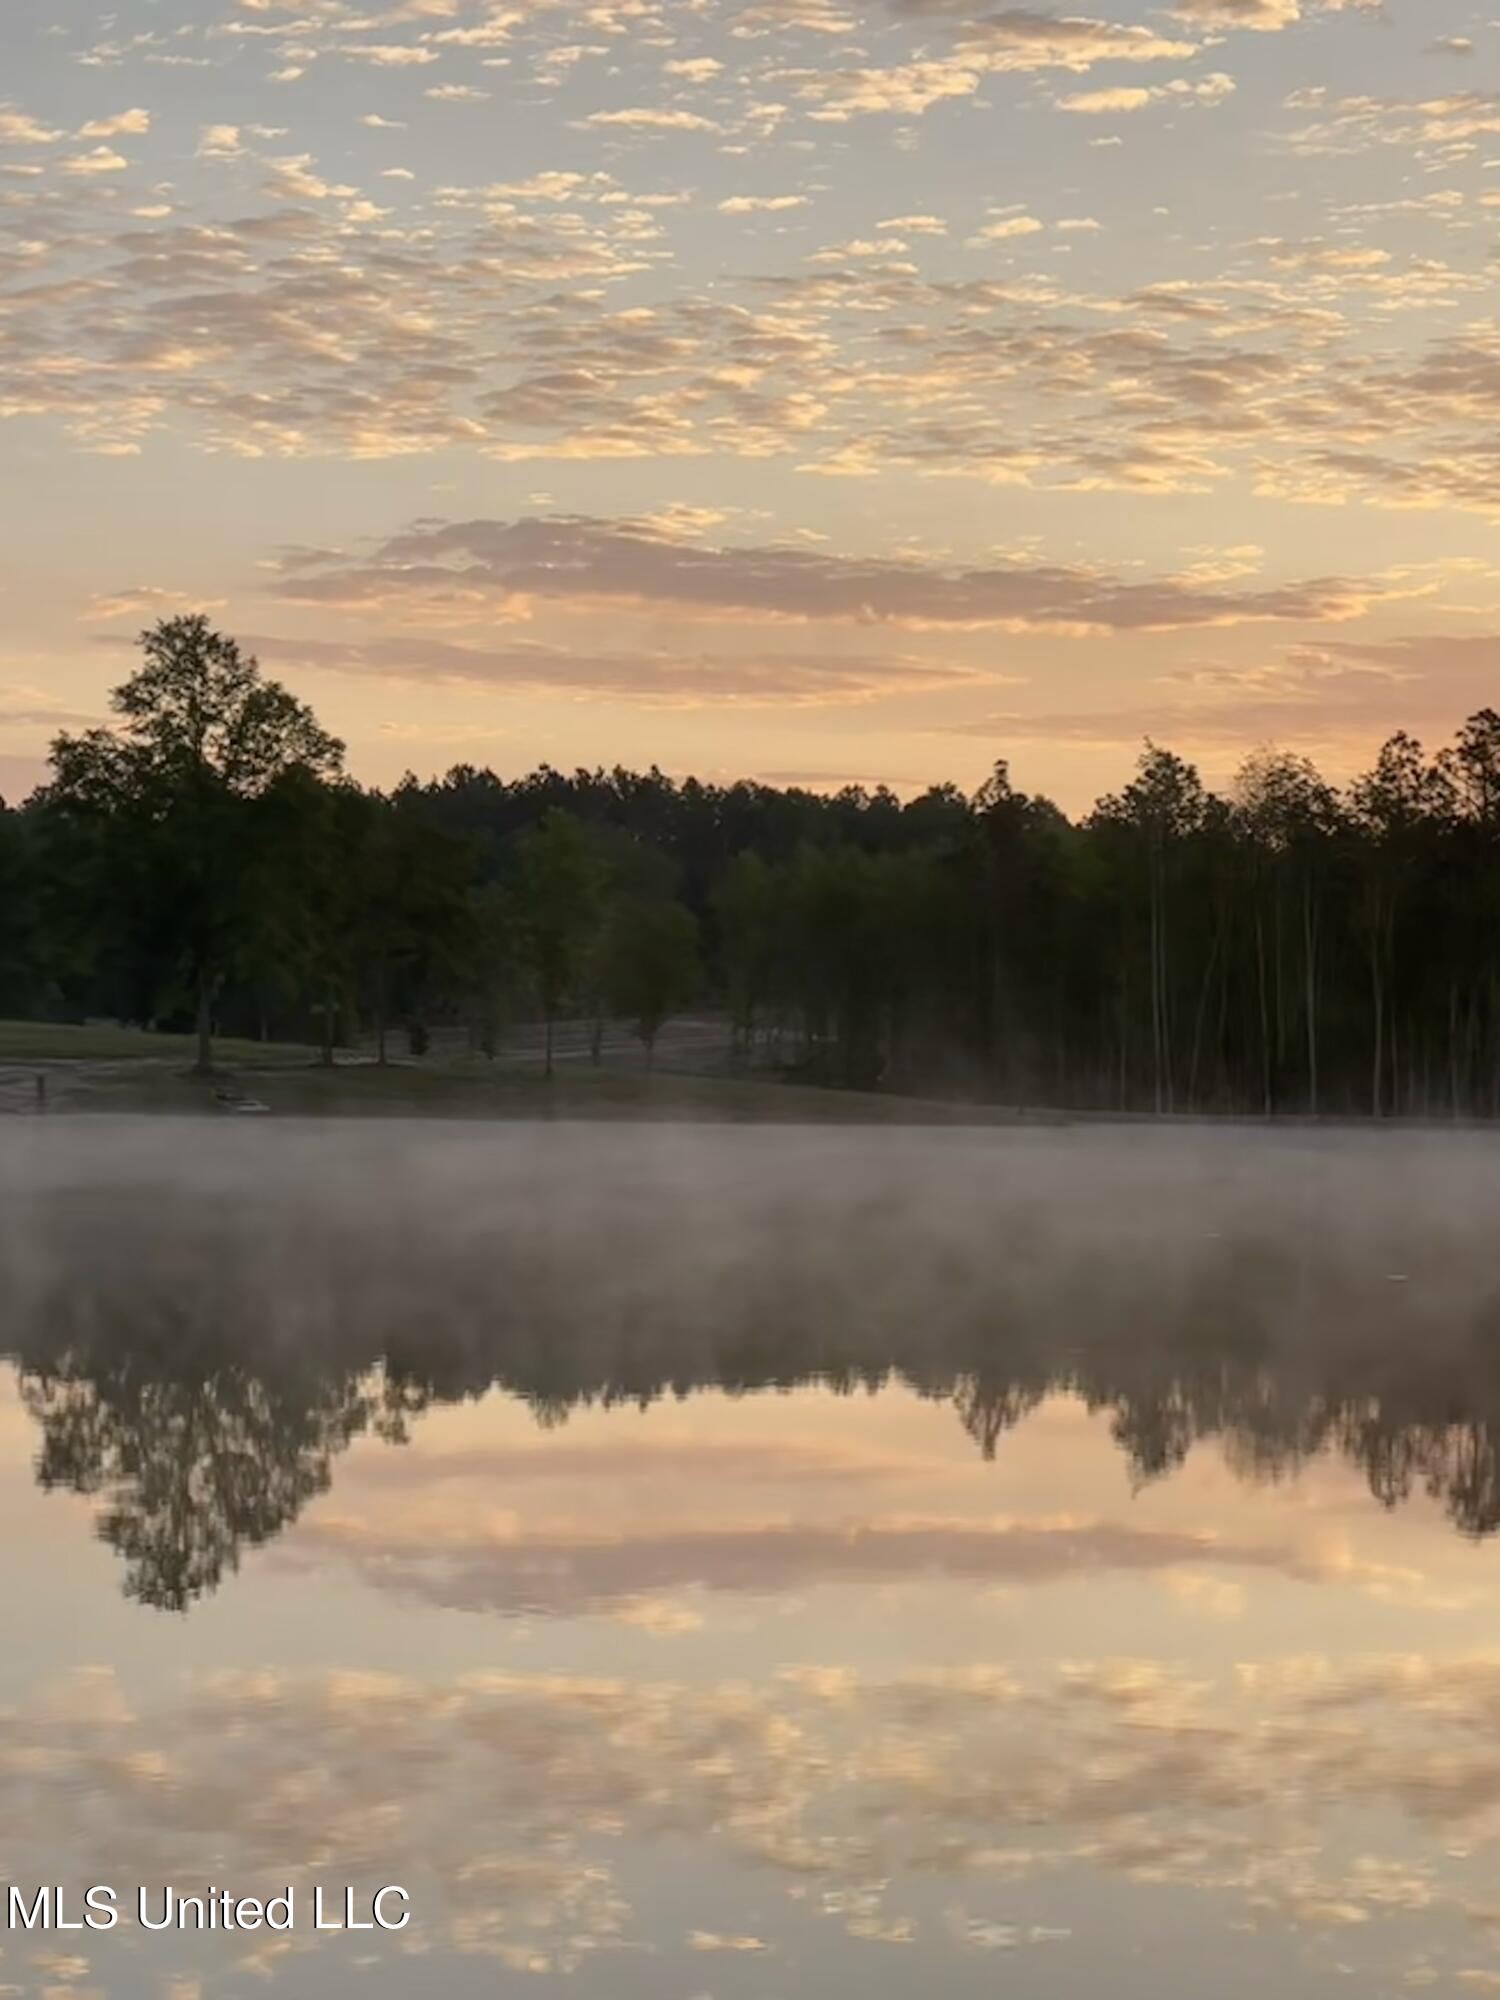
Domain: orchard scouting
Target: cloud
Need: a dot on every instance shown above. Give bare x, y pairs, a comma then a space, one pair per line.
678, 679
1211, 89
1102, 103
123, 122
761, 204
1008, 227
490, 319
1423, 124
1326, 693
295, 179
904, 91
390, 55
1025, 39
19, 128
145, 601
1262, 16
220, 142
34, 708
773, 17
588, 562
1014, 41
100, 160
648, 118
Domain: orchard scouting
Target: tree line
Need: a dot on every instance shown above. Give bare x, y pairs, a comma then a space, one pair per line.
1289, 947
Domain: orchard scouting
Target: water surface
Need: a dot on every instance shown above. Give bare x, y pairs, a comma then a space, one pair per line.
756, 1563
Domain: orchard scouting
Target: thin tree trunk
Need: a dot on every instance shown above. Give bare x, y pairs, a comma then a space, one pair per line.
1393, 1012
205, 1027
1159, 1039
547, 1071
1453, 1083
995, 1011
1122, 1023
1265, 1025
1281, 1010
1203, 992
1166, 991
1474, 1043
1310, 959
1226, 1090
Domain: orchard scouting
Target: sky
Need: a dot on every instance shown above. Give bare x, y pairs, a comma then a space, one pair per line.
825, 391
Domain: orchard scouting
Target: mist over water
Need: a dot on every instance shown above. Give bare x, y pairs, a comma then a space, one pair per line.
763, 1561
1194, 1280
679, 1244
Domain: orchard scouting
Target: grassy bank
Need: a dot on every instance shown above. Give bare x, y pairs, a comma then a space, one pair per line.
126, 1070
47, 1042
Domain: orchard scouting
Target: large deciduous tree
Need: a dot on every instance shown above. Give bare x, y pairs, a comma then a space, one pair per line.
202, 740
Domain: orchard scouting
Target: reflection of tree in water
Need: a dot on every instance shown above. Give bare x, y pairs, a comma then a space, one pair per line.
201, 1389
190, 1469
194, 1466
987, 1410
1457, 1464
1274, 1364
170, 1386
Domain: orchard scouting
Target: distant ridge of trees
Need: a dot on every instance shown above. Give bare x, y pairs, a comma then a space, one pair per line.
1290, 948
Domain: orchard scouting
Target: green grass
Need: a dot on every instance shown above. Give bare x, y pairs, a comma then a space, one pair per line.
125, 1070
52, 1041
107, 1068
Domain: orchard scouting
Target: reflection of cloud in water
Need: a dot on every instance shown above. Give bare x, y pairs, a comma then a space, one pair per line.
766, 1461
478, 1566
526, 1795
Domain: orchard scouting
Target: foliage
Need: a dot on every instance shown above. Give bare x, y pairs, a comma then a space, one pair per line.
1285, 948
180, 789
559, 885
651, 959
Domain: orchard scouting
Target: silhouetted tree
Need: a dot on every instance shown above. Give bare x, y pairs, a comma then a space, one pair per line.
202, 739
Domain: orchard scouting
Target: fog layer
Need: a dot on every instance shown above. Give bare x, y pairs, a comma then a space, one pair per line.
202, 1318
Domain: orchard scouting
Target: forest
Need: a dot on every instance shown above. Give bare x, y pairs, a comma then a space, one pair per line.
1287, 948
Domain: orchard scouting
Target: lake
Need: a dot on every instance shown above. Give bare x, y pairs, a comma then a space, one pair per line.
710, 1564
